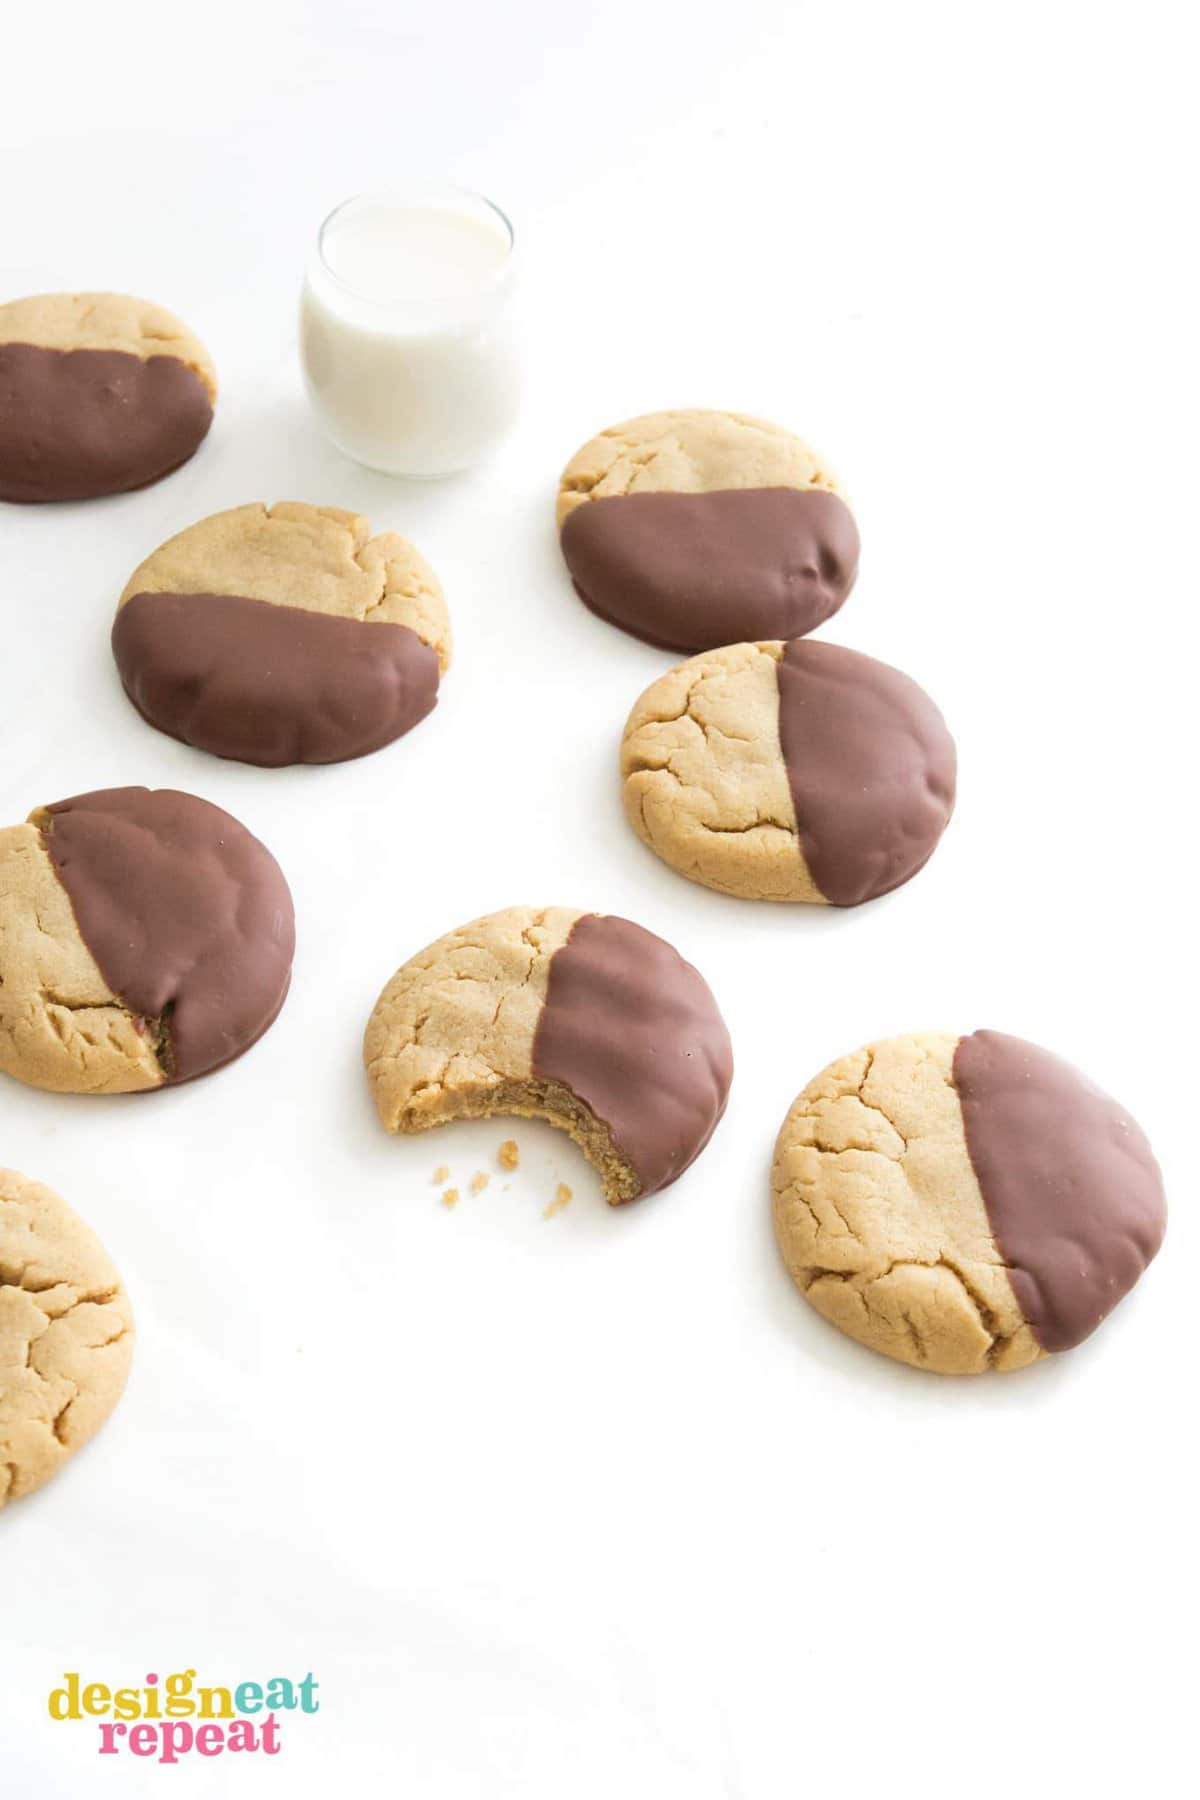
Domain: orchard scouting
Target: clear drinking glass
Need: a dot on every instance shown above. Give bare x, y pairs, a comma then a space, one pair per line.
407, 335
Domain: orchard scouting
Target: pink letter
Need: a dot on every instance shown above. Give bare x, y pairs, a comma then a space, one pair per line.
171, 1742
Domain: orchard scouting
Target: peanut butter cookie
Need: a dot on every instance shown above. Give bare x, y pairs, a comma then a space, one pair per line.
963, 1204
798, 771
285, 634
145, 938
66, 1335
694, 529
583, 1019
99, 393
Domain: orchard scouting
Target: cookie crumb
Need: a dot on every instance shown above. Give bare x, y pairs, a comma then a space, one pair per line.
509, 1155
562, 1197
440, 1174
450, 1197
479, 1182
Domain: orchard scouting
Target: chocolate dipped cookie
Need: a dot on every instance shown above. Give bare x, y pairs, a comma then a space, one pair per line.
695, 529
789, 771
145, 938
283, 634
963, 1204
583, 1019
99, 393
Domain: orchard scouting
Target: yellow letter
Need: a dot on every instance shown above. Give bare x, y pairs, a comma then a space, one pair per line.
208, 1699
180, 1705
64, 1701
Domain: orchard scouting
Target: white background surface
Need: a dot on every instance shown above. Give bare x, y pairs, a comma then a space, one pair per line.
596, 1506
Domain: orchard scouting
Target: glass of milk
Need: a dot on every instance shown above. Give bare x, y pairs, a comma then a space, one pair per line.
406, 329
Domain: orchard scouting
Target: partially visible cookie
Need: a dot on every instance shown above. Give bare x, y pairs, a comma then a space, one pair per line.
694, 529
99, 393
66, 1335
583, 1019
963, 1204
798, 771
145, 938
283, 634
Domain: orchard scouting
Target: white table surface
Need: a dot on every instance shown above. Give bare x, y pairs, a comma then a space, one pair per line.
596, 1506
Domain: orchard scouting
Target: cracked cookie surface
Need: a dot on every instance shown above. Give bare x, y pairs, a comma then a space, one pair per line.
99, 393
693, 529
897, 1229
283, 634
793, 771
583, 1019
66, 1334
703, 777
145, 938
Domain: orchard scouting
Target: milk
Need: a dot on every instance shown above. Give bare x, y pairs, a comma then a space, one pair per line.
406, 332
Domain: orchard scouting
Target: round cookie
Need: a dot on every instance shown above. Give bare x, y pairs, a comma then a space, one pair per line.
145, 938
99, 393
66, 1335
583, 1019
963, 1204
797, 771
695, 529
285, 634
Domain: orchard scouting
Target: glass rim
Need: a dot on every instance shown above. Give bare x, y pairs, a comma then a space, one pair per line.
412, 195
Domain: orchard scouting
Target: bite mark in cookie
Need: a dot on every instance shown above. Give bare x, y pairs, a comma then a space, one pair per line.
584, 1020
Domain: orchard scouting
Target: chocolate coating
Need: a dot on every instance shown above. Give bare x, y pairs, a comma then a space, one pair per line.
271, 684
633, 1030
78, 423
1072, 1191
187, 915
694, 571
871, 767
